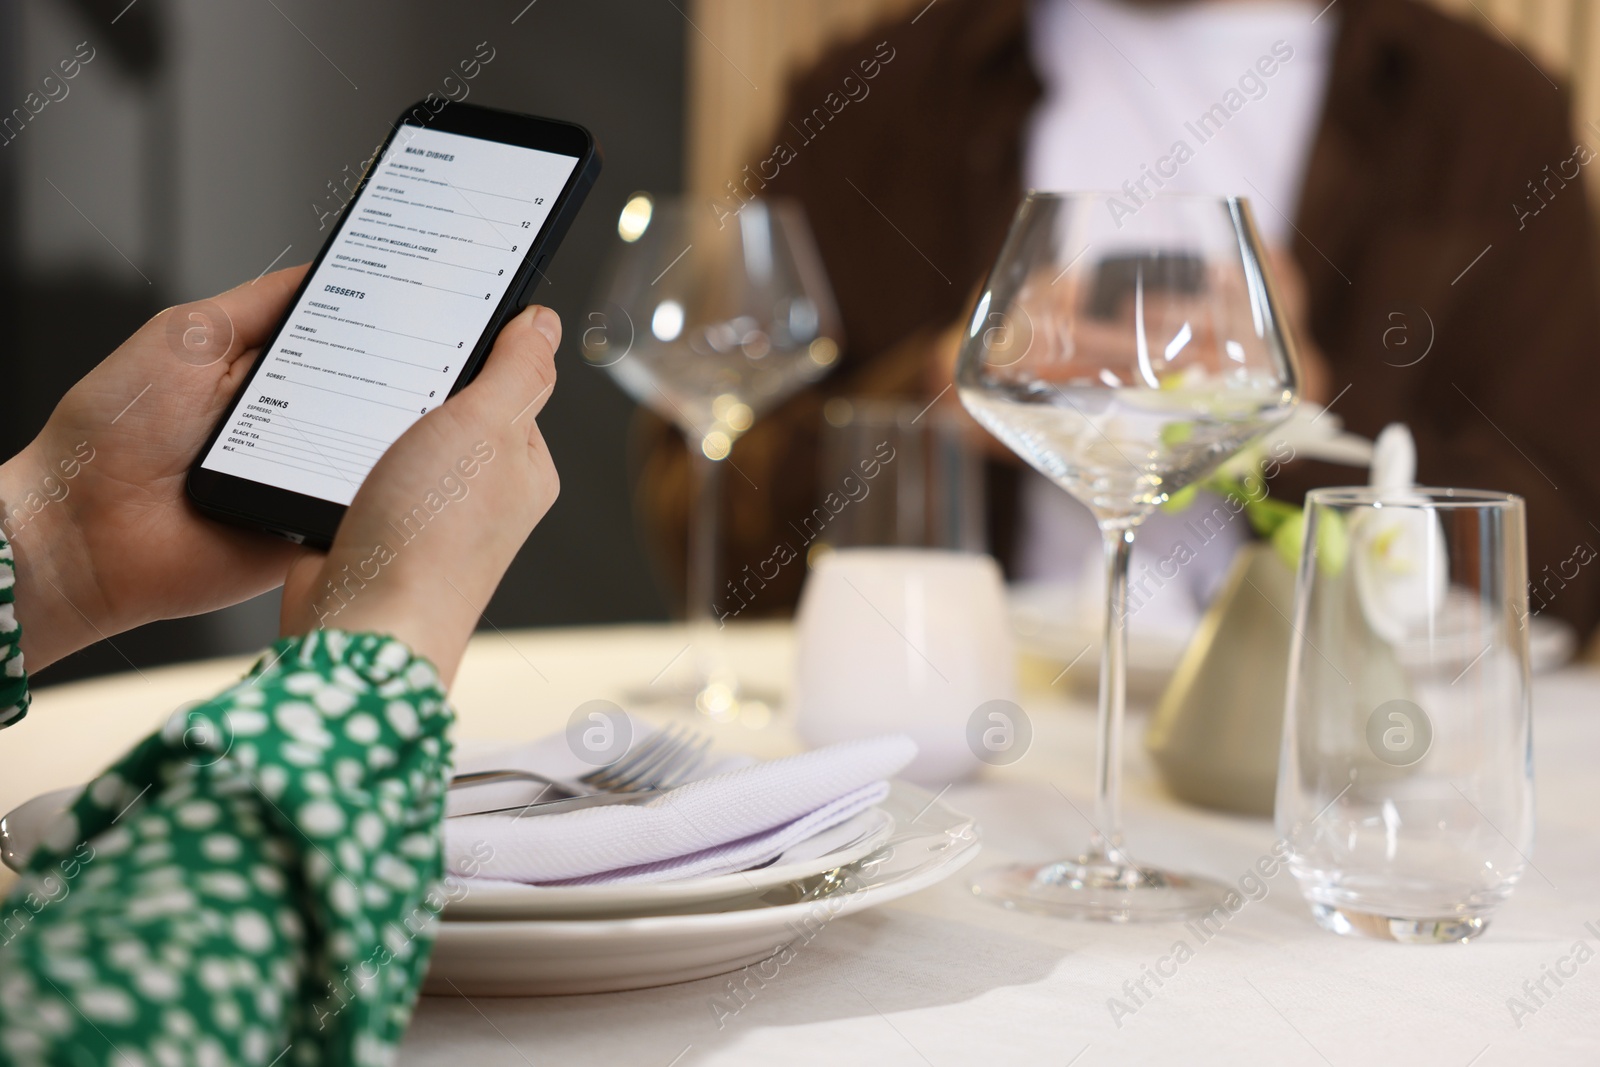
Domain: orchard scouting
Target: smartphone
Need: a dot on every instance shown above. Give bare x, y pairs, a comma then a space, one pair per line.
1118, 278
442, 242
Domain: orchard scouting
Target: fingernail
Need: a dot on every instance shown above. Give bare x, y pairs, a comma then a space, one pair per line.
548, 323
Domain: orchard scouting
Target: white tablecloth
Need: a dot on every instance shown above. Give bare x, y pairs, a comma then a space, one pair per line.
943, 979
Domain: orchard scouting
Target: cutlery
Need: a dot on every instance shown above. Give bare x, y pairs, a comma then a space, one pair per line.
588, 800
666, 758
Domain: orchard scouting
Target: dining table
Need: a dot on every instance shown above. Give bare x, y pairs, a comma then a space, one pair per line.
943, 977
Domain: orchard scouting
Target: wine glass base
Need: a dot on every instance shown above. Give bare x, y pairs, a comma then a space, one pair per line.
1407, 930
1099, 889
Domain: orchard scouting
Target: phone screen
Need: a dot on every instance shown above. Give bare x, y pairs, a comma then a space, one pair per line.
407, 286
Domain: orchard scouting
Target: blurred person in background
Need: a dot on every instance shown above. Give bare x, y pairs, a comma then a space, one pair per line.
1418, 183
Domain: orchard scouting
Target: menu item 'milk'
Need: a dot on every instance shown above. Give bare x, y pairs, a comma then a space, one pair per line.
393, 310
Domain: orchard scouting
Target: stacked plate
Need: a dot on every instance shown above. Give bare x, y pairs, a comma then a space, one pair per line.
505, 939
501, 939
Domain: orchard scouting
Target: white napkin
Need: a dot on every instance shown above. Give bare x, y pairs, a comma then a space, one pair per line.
730, 821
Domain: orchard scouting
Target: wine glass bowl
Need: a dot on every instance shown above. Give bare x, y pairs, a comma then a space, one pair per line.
728, 317
1124, 354
1125, 362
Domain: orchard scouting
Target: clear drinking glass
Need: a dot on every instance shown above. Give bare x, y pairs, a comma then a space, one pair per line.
712, 320
1406, 785
1124, 352
907, 475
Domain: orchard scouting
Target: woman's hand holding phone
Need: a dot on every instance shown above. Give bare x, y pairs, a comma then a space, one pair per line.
94, 506
437, 522
106, 540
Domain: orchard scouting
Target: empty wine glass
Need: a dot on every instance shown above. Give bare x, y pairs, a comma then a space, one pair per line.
711, 320
1124, 351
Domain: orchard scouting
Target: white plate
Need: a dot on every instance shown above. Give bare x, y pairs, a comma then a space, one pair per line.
1551, 644
23, 827
816, 855
930, 842
1058, 624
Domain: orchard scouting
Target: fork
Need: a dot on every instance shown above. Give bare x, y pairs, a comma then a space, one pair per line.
669, 755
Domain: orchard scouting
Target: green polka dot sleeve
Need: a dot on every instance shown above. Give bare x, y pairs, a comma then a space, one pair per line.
257, 883
13, 682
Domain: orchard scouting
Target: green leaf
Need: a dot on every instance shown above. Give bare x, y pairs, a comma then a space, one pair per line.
1181, 499
1268, 516
1289, 538
1333, 541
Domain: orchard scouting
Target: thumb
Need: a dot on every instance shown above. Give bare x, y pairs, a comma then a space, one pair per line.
520, 374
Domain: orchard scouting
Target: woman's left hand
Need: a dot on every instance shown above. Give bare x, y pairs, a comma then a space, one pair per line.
94, 507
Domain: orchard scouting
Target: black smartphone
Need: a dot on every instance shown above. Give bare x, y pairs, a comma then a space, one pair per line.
1117, 278
442, 242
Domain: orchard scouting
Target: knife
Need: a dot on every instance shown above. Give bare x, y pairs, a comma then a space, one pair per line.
556, 807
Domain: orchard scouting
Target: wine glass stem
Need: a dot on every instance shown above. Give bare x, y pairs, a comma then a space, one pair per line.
704, 513
1106, 840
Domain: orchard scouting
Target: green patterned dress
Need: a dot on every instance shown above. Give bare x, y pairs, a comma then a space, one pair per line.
257, 883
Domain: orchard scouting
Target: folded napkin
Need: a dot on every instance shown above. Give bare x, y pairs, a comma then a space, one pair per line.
741, 815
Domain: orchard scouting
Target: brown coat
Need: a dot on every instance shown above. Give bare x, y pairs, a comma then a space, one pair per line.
1430, 143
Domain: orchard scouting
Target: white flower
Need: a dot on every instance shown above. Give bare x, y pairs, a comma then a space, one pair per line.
1402, 570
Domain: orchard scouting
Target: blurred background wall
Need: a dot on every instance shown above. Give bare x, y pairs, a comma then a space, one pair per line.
199, 146
738, 62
